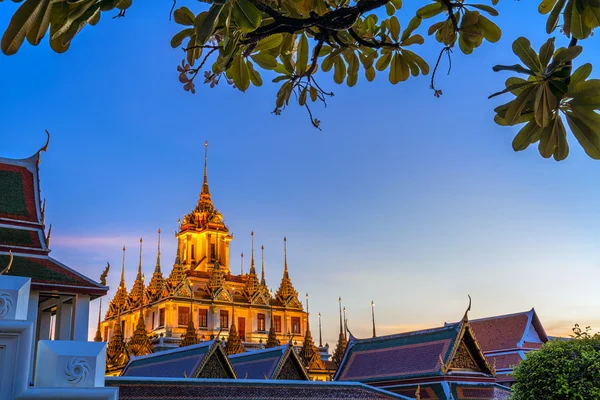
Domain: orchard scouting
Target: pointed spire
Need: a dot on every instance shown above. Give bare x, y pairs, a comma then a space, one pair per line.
157, 268
286, 294
252, 284
116, 351
98, 337
139, 344
263, 282
345, 325
310, 353
190, 337
234, 341
272, 340
252, 258
373, 316
137, 291
205, 183
122, 284
242, 264
320, 334
157, 283
119, 302
342, 342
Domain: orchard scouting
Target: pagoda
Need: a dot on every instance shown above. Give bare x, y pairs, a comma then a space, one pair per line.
201, 299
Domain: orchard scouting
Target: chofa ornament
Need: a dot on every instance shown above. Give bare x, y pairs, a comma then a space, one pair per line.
6, 303
76, 370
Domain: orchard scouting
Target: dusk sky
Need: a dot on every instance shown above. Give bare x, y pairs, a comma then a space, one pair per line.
405, 199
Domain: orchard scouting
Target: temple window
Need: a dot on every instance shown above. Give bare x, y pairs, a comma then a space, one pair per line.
193, 252
212, 251
261, 322
183, 315
203, 318
277, 323
295, 324
161, 317
224, 319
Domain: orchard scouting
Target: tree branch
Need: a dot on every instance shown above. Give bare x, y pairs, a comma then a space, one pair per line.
374, 44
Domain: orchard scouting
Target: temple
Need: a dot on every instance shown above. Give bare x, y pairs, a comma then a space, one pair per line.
202, 298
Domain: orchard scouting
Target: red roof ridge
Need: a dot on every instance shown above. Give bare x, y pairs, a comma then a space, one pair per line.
502, 316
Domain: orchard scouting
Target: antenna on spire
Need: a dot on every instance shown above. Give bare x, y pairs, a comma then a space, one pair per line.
307, 313
341, 325
345, 324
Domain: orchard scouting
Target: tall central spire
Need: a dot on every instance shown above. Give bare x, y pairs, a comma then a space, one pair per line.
122, 284
205, 184
157, 268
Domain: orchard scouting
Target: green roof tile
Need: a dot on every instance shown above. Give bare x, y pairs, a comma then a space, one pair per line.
12, 195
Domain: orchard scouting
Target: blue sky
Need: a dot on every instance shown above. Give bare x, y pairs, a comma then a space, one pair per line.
405, 199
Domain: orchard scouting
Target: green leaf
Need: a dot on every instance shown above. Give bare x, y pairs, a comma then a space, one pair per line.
183, 16
546, 6
302, 55
510, 88
515, 68
283, 95
39, 29
566, 54
370, 74
552, 21
74, 15
412, 25
547, 142
522, 48
239, 73
397, 4
179, 36
390, 9
339, 72
433, 28
423, 66
430, 10
587, 138
302, 97
517, 106
383, 61
414, 39
491, 32
562, 148
253, 74
246, 15
313, 93
525, 136
395, 70
586, 88
269, 42
578, 29
205, 26
543, 105
394, 27
490, 10
264, 60
546, 52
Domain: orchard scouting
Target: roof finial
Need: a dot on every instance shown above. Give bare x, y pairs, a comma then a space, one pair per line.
252, 258
205, 184
320, 335
345, 325
140, 264
466, 316
242, 264
157, 268
10, 261
122, 283
262, 278
341, 325
373, 316
285, 269
98, 337
45, 147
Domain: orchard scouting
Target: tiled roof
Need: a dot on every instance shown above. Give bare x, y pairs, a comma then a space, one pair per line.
192, 389
260, 364
266, 363
401, 356
460, 391
177, 363
22, 232
45, 271
18, 195
507, 331
504, 361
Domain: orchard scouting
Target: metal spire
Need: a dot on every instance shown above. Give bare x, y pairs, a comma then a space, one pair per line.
140, 264
373, 316
157, 268
242, 264
252, 258
345, 325
205, 184
341, 325
262, 278
320, 335
122, 284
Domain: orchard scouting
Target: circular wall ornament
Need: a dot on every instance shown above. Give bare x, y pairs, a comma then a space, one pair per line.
6, 304
76, 370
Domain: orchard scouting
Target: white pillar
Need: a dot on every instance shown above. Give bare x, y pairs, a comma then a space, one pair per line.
64, 314
81, 317
32, 316
44, 325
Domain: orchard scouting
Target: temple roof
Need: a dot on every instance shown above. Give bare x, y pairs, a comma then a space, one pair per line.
425, 353
22, 232
265, 364
182, 362
508, 331
456, 391
192, 389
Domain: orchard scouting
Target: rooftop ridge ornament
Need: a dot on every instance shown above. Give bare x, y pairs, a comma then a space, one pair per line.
44, 147
98, 337
104, 274
466, 316
10, 261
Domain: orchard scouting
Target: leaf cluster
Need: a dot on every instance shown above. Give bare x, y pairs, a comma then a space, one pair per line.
561, 369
